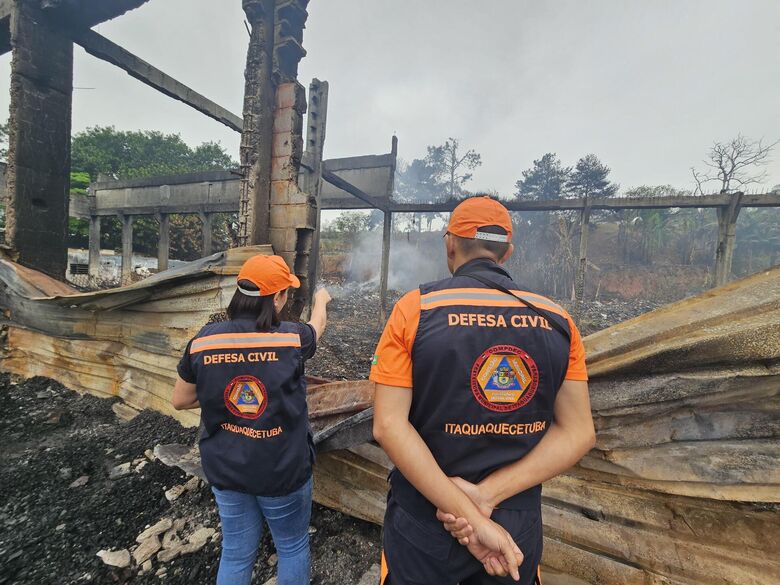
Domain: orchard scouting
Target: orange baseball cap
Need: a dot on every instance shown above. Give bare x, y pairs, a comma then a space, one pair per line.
478, 212
269, 274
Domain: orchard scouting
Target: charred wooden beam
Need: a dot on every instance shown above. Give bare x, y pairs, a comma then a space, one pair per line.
106, 50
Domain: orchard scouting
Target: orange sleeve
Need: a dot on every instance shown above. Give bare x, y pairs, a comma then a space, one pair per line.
392, 363
577, 369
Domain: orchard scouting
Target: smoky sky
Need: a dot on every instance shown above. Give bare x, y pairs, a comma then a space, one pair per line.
645, 85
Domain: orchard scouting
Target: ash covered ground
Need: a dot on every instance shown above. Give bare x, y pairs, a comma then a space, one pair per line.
59, 505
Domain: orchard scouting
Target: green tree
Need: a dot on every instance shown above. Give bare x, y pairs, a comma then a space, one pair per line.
130, 154
546, 180
79, 183
645, 233
452, 166
350, 223
4, 140
590, 178
417, 182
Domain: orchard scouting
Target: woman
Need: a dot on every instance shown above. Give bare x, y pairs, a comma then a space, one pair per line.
246, 375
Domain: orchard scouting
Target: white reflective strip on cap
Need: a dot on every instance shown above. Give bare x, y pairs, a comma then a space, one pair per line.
491, 237
249, 293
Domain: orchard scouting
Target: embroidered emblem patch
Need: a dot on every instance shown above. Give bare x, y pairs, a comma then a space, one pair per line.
504, 378
246, 396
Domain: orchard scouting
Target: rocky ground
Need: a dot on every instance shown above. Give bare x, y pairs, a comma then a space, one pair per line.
76, 480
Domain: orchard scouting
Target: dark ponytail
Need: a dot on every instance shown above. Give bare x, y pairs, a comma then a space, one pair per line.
260, 308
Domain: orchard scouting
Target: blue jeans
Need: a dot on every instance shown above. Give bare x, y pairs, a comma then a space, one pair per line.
242, 527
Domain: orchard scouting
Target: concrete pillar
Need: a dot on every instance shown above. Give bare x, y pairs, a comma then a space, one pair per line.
387, 232
127, 247
206, 220
293, 212
579, 283
94, 249
163, 241
727, 235
38, 176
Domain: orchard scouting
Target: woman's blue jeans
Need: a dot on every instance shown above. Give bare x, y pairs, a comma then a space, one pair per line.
242, 527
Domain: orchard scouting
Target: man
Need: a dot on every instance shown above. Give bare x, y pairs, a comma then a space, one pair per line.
481, 396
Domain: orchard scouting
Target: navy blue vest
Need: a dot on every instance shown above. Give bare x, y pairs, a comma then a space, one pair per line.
256, 436
486, 371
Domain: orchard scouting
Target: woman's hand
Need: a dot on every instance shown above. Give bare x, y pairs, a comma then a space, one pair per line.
322, 296
319, 313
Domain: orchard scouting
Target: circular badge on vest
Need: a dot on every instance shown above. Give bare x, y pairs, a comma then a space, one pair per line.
504, 378
246, 396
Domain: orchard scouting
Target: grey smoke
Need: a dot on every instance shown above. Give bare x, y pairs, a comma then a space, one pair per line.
411, 262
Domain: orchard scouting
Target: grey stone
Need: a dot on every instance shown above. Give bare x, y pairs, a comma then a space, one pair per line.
271, 581
192, 484
119, 471
146, 550
168, 554
115, 558
173, 494
147, 566
79, 481
171, 539
371, 577
161, 526
201, 536
273, 560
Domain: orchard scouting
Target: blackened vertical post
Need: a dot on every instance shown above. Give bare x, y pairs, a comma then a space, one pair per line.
727, 235
579, 283
311, 179
206, 221
163, 241
94, 250
387, 232
127, 247
254, 214
38, 173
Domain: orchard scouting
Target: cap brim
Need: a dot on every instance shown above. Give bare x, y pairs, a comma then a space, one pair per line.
294, 281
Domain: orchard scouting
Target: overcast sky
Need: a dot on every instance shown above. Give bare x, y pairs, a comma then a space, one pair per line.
645, 85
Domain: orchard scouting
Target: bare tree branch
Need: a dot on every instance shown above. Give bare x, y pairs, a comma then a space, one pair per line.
736, 163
